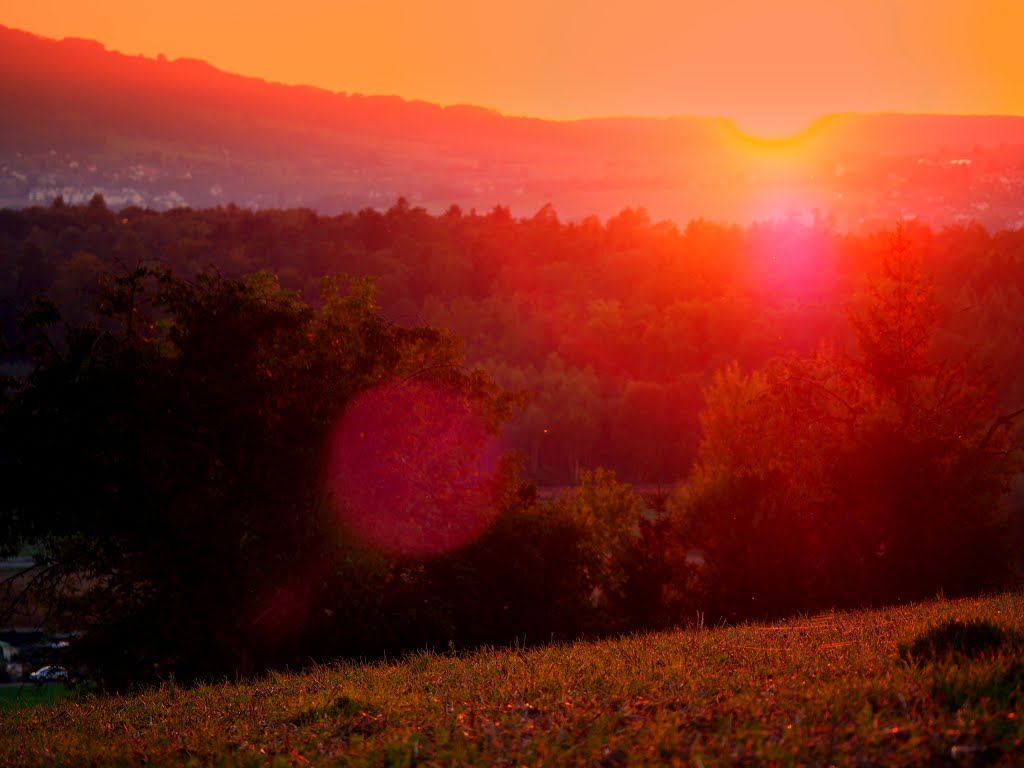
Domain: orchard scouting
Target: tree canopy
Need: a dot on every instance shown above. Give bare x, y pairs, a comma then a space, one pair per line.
872, 475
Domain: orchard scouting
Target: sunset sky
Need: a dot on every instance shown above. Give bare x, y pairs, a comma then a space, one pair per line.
773, 66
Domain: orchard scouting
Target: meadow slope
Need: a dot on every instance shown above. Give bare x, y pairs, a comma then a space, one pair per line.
938, 683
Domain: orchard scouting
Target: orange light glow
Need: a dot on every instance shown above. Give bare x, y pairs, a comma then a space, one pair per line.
770, 66
776, 132
776, 139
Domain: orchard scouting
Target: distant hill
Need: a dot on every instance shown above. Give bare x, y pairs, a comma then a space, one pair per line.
77, 119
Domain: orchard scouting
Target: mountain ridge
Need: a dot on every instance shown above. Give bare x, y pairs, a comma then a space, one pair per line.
260, 143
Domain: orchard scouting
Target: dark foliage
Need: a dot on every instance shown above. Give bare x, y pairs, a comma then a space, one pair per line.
169, 433
165, 462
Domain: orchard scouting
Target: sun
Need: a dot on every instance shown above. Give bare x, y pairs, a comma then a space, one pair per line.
777, 127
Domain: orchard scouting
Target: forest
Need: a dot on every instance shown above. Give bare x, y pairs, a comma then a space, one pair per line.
351, 428
614, 328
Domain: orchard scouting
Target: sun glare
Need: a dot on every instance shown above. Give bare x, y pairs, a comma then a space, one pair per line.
773, 128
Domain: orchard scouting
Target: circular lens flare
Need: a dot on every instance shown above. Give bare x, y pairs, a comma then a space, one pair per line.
413, 469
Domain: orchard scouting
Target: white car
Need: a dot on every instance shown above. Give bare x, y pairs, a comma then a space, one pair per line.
48, 674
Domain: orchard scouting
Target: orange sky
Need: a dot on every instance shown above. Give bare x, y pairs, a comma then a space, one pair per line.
771, 64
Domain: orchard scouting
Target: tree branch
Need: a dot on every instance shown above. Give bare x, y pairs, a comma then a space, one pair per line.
800, 377
1006, 420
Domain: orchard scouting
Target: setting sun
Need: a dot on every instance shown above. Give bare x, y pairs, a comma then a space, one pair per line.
775, 128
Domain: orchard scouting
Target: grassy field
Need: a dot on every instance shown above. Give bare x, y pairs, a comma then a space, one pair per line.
30, 695
941, 683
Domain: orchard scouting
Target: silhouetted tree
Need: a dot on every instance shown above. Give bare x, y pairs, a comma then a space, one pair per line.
166, 464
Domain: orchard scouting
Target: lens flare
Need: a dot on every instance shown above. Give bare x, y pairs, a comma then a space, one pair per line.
413, 469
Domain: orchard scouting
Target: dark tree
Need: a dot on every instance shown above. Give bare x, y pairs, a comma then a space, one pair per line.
166, 463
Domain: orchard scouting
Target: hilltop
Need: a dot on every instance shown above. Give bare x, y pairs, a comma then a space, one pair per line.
938, 683
79, 119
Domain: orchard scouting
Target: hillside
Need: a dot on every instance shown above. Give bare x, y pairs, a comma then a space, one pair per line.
79, 119
938, 683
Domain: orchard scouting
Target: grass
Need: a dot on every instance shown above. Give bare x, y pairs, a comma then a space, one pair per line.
900, 686
30, 695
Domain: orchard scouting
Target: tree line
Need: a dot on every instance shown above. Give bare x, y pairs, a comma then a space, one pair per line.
616, 326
